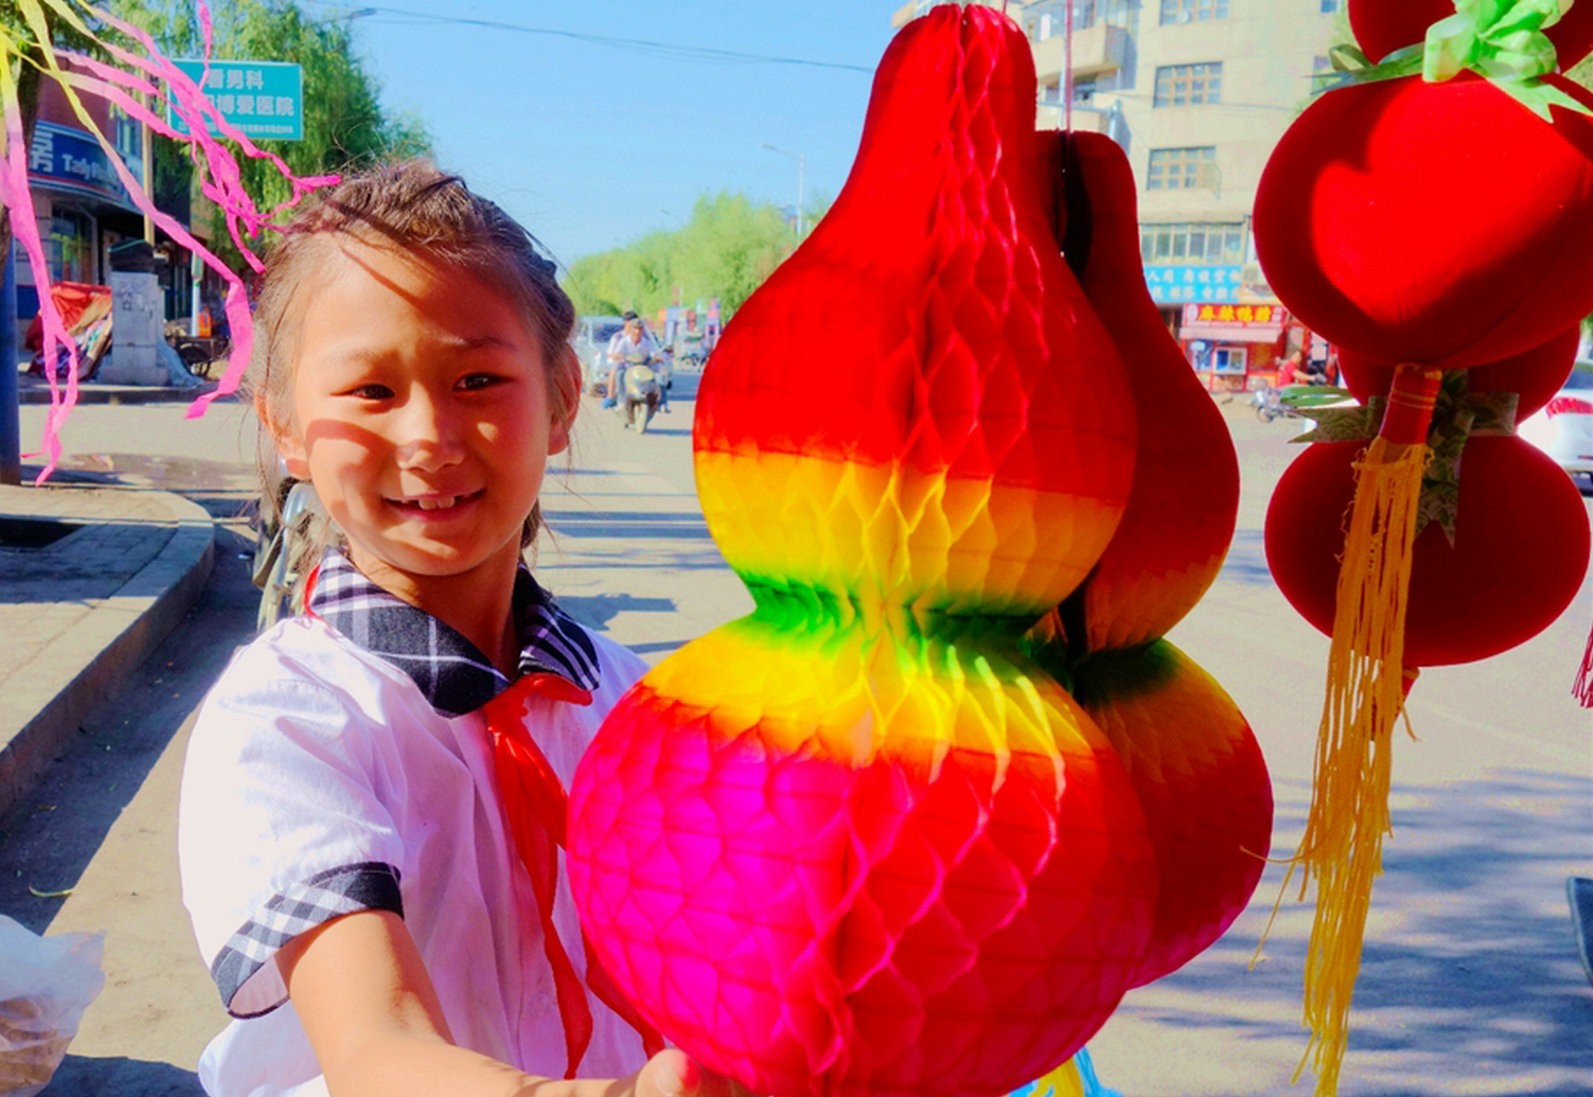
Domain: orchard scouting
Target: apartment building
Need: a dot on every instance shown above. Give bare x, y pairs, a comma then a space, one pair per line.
1197, 92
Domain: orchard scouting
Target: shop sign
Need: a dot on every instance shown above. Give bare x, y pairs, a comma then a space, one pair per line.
1233, 323
260, 99
67, 159
1178, 284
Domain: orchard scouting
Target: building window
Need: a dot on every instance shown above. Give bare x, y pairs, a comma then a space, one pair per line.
1188, 85
1193, 11
1195, 244
1182, 169
1050, 20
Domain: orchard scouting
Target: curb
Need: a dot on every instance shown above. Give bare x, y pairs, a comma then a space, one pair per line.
90, 393
118, 636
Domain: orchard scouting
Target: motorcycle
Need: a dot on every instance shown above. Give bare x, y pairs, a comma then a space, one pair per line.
641, 393
1269, 404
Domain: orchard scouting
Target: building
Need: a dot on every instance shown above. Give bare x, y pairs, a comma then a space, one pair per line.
1197, 92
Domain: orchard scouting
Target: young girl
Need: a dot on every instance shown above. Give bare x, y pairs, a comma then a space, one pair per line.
357, 888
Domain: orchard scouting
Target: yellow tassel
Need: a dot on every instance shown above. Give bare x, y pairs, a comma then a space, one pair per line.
1366, 685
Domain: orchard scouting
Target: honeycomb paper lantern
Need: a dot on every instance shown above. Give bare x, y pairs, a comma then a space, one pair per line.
1184, 498
1202, 784
858, 842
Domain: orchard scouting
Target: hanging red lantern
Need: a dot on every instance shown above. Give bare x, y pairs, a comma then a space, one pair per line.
1518, 557
1383, 26
1534, 375
1437, 223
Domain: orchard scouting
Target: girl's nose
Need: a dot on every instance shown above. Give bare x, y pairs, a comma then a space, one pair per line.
431, 433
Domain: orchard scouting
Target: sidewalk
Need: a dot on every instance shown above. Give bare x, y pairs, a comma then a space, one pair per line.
91, 580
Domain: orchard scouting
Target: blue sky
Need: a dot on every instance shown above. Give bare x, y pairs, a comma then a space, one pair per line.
592, 144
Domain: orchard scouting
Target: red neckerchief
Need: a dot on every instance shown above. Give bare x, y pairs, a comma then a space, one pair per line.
535, 810
535, 806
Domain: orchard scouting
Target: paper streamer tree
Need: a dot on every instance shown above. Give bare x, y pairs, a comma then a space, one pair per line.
143, 83
1432, 216
861, 841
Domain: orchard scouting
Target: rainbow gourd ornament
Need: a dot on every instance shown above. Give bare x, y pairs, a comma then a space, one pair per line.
860, 841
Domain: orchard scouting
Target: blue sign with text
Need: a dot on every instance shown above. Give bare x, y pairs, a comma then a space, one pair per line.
260, 99
1198, 283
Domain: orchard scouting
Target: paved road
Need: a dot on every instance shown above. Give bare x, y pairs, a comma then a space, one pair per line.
1471, 982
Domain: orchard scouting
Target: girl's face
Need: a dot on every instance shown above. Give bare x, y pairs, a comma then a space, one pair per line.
421, 412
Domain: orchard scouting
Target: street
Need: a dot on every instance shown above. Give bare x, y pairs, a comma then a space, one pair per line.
1470, 985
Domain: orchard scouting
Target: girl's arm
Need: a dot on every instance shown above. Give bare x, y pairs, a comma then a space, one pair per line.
365, 1000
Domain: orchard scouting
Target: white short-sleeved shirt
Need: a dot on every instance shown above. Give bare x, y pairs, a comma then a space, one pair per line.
324, 778
630, 353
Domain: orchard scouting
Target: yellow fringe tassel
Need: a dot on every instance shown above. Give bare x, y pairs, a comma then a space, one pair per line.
1366, 686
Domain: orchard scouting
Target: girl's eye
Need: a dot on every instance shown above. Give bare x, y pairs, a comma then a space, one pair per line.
370, 392
473, 381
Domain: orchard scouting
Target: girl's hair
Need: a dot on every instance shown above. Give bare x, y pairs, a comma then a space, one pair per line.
413, 207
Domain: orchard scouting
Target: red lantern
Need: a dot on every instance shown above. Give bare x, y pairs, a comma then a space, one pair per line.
1534, 375
1444, 224
1383, 26
1518, 558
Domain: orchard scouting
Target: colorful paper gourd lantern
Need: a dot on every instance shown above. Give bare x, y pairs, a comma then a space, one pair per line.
1202, 784
1185, 494
858, 842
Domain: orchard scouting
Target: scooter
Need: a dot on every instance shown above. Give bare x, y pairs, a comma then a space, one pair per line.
641, 392
1269, 404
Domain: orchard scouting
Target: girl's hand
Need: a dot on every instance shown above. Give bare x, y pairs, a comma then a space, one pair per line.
671, 1073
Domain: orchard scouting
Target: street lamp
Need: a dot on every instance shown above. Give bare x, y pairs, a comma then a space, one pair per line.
801, 161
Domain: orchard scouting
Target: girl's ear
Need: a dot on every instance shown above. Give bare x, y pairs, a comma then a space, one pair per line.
566, 389
289, 446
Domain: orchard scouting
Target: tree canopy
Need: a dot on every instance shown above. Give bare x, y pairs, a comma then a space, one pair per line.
345, 125
725, 250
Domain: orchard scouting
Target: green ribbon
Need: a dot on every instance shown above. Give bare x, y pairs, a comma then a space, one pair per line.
1500, 40
1458, 415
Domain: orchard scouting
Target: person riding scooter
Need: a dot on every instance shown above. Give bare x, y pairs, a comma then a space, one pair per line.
631, 346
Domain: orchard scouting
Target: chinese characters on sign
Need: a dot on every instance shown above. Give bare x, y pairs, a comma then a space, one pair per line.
1270, 315
261, 99
1173, 285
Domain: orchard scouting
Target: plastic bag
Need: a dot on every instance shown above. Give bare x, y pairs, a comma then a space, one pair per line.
45, 985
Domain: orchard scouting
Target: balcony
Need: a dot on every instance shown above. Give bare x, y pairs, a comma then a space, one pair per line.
1097, 51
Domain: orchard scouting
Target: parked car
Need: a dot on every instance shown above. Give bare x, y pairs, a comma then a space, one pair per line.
1564, 428
591, 337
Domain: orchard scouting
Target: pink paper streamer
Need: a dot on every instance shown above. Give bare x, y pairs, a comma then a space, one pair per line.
153, 78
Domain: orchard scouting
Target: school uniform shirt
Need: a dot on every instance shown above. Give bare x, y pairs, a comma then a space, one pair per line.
341, 764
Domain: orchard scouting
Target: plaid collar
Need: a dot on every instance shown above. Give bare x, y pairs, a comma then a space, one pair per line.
451, 672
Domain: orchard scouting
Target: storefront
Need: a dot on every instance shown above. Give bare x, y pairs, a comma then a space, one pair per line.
1234, 347
1231, 328
81, 205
